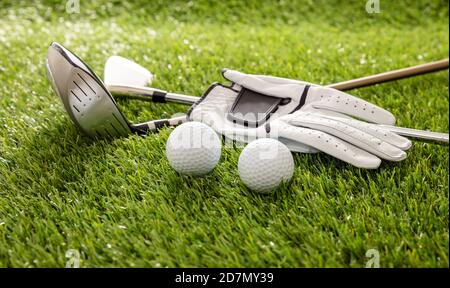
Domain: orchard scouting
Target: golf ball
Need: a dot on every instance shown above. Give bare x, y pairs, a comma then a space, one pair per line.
264, 164
193, 148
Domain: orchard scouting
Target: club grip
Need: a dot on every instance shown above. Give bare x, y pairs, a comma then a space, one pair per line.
155, 125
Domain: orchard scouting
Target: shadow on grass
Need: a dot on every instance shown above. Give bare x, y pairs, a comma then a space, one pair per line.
55, 155
61, 156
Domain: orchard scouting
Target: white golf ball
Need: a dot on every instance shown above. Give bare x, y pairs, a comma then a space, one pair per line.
193, 148
264, 164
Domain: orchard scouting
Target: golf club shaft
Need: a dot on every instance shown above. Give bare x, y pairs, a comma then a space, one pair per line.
408, 132
419, 134
150, 94
391, 75
157, 95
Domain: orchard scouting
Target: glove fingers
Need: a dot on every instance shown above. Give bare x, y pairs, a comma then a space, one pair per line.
376, 131
328, 144
350, 134
334, 100
296, 146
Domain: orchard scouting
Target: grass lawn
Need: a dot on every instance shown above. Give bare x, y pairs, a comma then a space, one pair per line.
118, 203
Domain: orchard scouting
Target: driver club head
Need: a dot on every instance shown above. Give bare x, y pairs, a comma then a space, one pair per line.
85, 98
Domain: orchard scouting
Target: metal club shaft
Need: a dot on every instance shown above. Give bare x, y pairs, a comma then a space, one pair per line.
391, 75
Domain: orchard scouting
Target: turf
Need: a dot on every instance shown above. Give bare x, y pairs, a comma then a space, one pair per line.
118, 203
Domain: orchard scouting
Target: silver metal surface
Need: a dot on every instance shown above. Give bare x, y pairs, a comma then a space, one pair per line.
180, 98
86, 100
146, 93
419, 134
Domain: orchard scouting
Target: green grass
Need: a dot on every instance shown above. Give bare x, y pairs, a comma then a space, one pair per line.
118, 202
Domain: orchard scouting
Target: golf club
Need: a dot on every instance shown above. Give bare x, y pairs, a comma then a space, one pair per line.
118, 81
88, 103
92, 108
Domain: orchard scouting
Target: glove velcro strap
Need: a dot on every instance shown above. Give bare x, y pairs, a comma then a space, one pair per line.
252, 108
303, 97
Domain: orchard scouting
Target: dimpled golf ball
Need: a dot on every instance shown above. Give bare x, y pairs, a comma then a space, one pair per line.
264, 164
193, 148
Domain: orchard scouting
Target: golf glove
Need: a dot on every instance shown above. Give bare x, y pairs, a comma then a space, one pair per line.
306, 117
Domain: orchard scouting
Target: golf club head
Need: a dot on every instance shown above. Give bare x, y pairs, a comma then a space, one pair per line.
88, 103
121, 71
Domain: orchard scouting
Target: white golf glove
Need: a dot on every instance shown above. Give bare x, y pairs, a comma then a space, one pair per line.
304, 116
